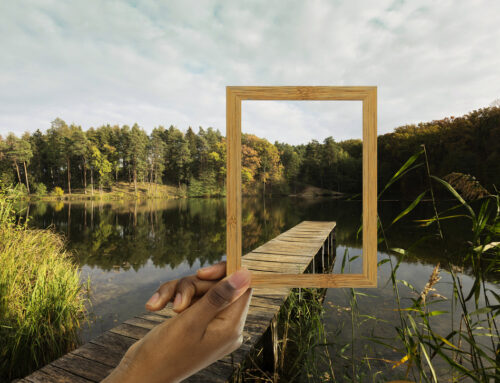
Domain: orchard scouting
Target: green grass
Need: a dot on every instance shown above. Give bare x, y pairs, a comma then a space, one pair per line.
42, 301
469, 349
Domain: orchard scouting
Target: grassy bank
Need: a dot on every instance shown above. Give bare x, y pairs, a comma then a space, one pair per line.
42, 302
119, 191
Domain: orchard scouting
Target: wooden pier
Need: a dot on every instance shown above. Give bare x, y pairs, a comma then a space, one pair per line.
307, 246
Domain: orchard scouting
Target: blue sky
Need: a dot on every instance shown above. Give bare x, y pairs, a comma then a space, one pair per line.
168, 62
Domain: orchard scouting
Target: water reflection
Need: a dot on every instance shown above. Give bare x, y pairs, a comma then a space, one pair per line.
129, 248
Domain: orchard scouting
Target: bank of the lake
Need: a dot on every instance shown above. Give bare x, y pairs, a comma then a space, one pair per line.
129, 248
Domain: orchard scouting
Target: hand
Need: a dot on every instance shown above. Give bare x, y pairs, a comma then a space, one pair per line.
186, 290
200, 335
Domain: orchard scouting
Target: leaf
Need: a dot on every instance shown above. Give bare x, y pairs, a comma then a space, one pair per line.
409, 208
401, 170
483, 248
429, 362
444, 340
404, 359
380, 263
407, 284
456, 195
398, 250
436, 313
482, 310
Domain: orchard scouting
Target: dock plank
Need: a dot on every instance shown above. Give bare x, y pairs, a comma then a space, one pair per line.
290, 252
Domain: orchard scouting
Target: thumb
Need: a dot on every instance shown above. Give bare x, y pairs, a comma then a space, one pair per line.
222, 295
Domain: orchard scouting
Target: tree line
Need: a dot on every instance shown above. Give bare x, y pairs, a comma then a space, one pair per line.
69, 157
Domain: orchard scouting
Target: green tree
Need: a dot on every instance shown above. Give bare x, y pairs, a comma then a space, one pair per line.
178, 156
78, 146
12, 143
137, 151
157, 150
25, 155
100, 163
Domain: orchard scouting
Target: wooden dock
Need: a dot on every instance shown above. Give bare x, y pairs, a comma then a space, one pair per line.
303, 247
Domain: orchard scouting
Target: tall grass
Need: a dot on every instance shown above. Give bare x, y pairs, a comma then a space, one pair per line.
42, 301
469, 348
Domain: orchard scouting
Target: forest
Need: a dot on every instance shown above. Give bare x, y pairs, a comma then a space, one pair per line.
68, 159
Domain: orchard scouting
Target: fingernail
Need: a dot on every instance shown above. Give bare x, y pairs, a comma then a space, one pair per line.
177, 300
239, 279
153, 299
208, 268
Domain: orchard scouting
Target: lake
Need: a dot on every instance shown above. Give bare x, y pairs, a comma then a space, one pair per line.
128, 249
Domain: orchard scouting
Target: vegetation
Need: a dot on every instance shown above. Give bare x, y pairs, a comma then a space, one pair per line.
41, 298
466, 350
68, 157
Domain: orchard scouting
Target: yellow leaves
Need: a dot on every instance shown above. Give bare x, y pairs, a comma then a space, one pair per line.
404, 359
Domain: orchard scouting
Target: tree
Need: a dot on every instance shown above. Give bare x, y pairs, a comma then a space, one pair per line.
178, 156
25, 154
56, 149
12, 153
100, 163
78, 146
291, 161
270, 168
157, 149
137, 151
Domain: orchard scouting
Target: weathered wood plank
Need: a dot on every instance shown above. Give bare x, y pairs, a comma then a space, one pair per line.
51, 374
88, 369
289, 253
98, 353
131, 331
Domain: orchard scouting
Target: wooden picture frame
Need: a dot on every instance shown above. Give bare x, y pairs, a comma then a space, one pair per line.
368, 95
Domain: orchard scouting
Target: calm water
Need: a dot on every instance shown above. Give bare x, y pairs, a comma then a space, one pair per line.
128, 249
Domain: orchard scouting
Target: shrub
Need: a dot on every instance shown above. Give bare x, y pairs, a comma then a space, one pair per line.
57, 191
40, 189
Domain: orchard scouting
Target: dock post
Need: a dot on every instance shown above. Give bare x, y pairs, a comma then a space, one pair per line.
323, 257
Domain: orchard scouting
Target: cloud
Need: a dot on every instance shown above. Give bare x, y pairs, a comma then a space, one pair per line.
168, 62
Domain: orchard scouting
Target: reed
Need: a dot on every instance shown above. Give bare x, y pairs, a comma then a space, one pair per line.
469, 349
42, 301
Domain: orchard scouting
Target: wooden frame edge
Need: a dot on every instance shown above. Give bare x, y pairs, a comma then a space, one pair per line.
368, 96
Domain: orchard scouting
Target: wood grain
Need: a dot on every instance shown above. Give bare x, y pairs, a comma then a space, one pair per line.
299, 243
233, 198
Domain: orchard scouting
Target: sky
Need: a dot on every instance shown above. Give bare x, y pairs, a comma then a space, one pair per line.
168, 62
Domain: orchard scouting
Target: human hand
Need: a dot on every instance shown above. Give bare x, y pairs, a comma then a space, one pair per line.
201, 334
182, 292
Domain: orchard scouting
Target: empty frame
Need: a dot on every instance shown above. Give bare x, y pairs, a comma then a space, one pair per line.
368, 95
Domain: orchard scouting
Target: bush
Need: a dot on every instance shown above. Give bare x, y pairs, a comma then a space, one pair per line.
41, 298
40, 189
57, 191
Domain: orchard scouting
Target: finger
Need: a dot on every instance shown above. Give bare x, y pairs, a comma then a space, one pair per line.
212, 272
221, 295
187, 289
237, 309
230, 322
162, 296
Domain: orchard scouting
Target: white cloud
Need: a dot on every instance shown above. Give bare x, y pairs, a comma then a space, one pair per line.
168, 62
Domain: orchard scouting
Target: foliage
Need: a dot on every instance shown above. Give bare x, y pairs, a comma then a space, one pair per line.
40, 189
63, 156
57, 191
41, 298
